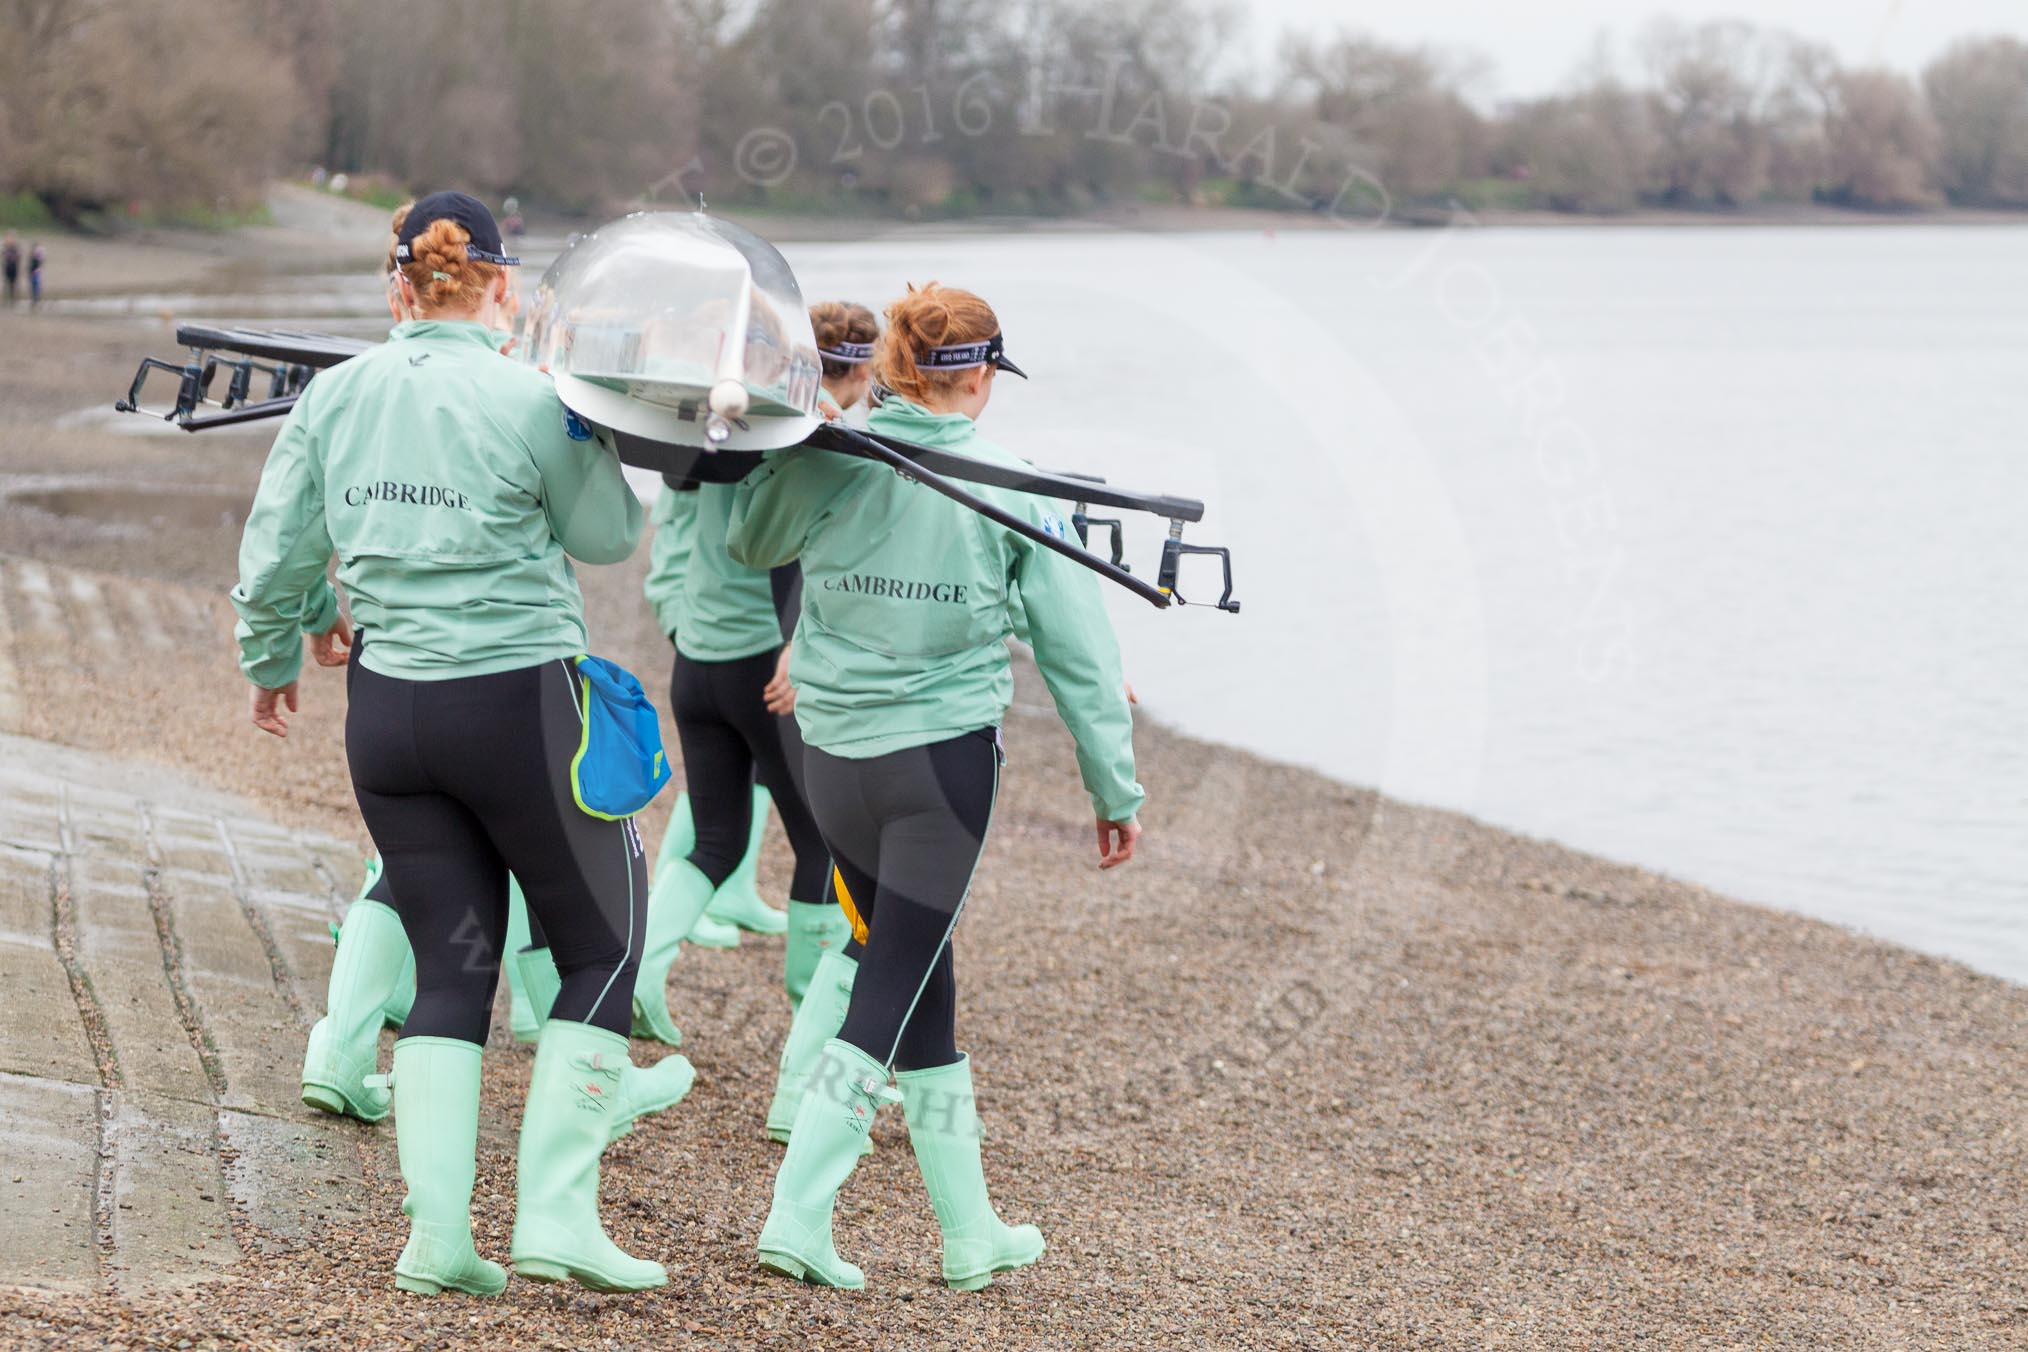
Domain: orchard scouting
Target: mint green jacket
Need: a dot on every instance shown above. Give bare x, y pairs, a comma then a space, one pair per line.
451, 484
732, 612
674, 517
908, 599
725, 609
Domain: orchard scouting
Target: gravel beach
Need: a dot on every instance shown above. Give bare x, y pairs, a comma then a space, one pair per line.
1318, 1070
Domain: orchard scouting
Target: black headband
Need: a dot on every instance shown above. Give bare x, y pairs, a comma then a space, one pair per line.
848, 352
957, 356
960, 356
401, 255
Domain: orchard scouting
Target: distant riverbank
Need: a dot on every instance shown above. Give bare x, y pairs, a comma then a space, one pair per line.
816, 226
1178, 218
310, 230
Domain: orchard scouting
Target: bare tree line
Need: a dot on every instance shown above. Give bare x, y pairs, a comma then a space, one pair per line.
956, 106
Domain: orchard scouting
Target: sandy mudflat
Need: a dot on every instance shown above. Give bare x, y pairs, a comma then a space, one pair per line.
1319, 1070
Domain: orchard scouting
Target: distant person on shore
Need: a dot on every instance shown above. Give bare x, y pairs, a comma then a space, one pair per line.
902, 678
463, 720
10, 266
35, 277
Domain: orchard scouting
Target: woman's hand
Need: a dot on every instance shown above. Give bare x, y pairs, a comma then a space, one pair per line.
778, 694
1116, 842
333, 647
266, 715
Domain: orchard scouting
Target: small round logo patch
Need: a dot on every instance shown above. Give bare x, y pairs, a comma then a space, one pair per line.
576, 428
1052, 525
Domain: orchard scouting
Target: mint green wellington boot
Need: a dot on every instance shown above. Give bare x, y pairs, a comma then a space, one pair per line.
845, 1092
943, 1126
571, 1099
815, 928
527, 1024
403, 998
678, 838
344, 1046
712, 933
395, 1013
677, 842
643, 1089
815, 1022
673, 907
536, 971
647, 1090
436, 1131
738, 900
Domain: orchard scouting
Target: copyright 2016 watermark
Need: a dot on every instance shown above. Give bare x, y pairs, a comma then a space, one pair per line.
844, 137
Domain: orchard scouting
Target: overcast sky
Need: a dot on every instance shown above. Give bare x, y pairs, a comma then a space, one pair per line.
1534, 45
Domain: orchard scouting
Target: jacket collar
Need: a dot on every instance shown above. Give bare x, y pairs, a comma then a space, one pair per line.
913, 422
443, 331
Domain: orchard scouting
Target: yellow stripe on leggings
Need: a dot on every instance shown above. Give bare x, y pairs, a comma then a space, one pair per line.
844, 895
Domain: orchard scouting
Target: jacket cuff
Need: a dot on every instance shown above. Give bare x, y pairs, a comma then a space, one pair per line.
272, 673
320, 610
1123, 809
272, 658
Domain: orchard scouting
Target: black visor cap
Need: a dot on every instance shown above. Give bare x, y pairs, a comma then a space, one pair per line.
467, 211
958, 356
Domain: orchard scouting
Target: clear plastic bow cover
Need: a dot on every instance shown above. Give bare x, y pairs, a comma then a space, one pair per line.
639, 319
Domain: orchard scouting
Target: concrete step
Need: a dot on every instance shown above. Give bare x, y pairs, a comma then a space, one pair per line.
25, 914
230, 988
169, 1223
84, 615
161, 955
41, 1034
49, 1172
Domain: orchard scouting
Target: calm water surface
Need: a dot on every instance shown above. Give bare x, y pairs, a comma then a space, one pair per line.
1700, 548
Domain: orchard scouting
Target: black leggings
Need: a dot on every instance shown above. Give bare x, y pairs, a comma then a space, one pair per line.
729, 739
906, 830
463, 781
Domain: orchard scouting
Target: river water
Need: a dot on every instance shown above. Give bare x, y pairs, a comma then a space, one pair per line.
1698, 548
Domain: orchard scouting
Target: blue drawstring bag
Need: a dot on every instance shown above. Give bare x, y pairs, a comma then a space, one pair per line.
619, 766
